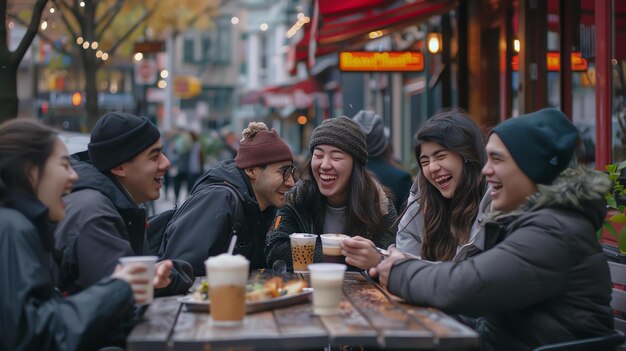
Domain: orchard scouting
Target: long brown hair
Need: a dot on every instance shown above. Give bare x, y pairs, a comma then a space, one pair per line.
24, 145
364, 216
448, 222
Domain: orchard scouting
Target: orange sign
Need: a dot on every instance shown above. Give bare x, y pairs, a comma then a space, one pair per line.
553, 62
386, 61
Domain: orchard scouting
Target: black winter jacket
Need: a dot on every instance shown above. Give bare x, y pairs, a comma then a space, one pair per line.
203, 225
297, 217
32, 315
101, 225
543, 278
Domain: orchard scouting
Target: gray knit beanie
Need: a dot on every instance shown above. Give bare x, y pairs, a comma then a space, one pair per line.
343, 133
372, 125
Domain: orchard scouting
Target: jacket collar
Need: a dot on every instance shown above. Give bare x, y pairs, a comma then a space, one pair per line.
580, 189
36, 212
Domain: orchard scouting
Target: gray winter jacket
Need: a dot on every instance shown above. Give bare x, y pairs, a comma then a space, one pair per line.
542, 279
410, 234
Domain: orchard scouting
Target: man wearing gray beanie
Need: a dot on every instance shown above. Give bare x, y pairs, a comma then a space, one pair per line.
380, 160
122, 168
543, 270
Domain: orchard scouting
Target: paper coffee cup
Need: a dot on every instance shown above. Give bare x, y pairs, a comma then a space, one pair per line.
143, 292
331, 247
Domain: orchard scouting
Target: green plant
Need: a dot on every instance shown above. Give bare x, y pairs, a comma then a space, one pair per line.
617, 212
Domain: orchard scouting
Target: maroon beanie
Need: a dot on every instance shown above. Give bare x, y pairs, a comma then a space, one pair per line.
260, 147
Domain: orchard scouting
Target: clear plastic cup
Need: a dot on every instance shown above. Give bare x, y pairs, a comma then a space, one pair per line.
227, 276
327, 281
302, 250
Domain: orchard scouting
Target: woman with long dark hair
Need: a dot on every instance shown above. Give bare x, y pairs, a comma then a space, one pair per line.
448, 199
336, 194
35, 172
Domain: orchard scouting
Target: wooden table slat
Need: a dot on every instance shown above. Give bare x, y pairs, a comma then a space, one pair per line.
194, 329
154, 332
395, 327
298, 326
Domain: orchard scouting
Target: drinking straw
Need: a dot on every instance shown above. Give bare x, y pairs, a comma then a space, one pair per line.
231, 247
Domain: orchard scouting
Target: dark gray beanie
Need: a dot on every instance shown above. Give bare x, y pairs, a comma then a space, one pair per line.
118, 137
372, 126
542, 143
343, 133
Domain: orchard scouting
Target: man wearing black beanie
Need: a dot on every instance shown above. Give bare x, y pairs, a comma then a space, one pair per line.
123, 168
543, 277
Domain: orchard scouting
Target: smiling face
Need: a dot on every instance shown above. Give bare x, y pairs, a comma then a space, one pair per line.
332, 170
441, 167
56, 179
142, 176
510, 186
269, 185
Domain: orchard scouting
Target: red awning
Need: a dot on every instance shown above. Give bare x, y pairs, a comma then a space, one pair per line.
346, 24
299, 95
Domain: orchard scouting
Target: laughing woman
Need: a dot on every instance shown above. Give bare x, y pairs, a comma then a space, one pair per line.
335, 195
448, 200
34, 173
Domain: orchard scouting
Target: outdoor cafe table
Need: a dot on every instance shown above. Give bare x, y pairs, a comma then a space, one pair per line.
369, 317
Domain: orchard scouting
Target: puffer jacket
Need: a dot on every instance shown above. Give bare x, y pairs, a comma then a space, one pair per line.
297, 217
410, 234
543, 277
203, 225
32, 315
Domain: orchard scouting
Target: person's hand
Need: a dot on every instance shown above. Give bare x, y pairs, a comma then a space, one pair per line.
133, 274
360, 252
382, 270
162, 271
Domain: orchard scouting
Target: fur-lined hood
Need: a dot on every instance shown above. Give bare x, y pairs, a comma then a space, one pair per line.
580, 189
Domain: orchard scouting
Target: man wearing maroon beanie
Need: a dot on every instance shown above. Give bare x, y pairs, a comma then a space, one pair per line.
237, 196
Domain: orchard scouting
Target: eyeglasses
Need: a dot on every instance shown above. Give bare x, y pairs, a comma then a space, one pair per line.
286, 172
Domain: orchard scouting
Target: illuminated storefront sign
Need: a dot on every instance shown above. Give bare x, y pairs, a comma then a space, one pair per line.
553, 62
388, 61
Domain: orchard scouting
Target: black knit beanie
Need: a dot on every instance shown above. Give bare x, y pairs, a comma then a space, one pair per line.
118, 137
372, 126
542, 143
343, 133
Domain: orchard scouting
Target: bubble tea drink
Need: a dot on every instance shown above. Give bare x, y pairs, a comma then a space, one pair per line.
331, 248
302, 250
326, 280
227, 276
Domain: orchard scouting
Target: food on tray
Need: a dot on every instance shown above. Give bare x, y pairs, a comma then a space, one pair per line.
257, 291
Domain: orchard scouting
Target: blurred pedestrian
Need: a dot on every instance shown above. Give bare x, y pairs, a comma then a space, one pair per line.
35, 171
395, 179
122, 168
196, 161
336, 194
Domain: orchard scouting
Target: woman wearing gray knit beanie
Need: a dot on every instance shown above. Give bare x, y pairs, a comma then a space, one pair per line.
336, 194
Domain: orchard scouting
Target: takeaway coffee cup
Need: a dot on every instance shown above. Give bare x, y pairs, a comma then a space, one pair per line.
326, 280
302, 250
332, 249
144, 293
227, 276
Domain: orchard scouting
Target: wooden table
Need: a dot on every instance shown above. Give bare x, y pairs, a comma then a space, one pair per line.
369, 317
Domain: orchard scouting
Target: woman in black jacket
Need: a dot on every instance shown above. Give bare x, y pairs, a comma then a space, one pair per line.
34, 174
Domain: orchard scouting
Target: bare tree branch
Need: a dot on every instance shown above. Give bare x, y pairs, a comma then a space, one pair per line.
43, 37
4, 45
110, 16
194, 19
131, 30
64, 18
31, 31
